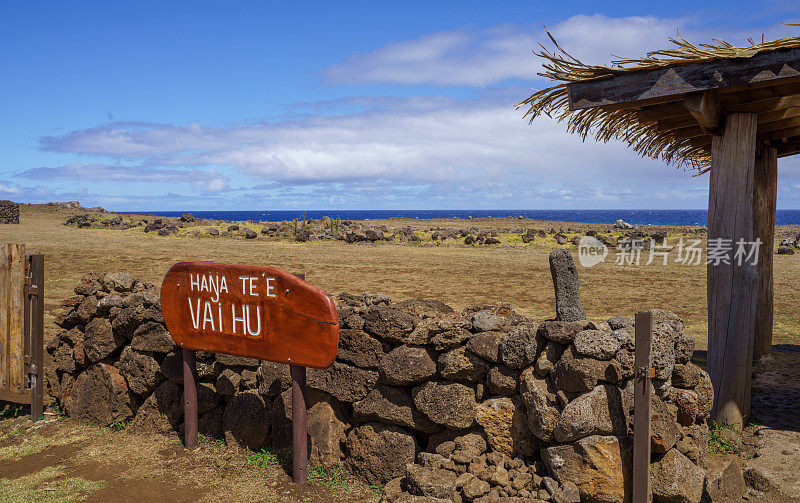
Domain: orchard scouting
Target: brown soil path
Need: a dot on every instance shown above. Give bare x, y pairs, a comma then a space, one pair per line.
61, 460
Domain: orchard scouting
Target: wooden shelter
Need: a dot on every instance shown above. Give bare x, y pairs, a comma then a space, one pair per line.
729, 110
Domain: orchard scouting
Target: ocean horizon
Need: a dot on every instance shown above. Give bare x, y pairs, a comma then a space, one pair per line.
637, 217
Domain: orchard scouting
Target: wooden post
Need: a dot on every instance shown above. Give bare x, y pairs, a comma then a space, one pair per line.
189, 399
34, 332
765, 191
641, 408
299, 426
5, 276
16, 303
732, 286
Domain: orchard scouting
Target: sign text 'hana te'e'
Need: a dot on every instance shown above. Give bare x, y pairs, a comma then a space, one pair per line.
252, 311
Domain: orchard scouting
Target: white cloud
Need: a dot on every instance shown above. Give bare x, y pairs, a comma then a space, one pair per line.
493, 55
199, 179
476, 150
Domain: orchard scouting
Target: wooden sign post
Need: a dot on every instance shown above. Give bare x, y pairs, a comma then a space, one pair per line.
251, 311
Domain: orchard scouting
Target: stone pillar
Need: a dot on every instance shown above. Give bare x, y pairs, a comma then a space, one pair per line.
565, 281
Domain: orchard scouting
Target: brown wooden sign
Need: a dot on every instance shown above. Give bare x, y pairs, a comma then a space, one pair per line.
252, 311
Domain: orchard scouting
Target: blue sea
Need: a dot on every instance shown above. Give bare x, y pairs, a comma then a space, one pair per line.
638, 217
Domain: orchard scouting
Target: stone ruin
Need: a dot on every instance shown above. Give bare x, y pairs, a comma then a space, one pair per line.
480, 405
9, 212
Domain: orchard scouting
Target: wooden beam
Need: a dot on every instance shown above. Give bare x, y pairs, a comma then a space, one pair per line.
780, 134
789, 148
661, 112
787, 123
732, 284
771, 115
762, 91
789, 120
765, 192
740, 103
706, 109
764, 68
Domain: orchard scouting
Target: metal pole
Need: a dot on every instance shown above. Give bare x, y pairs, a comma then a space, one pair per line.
190, 399
641, 411
299, 427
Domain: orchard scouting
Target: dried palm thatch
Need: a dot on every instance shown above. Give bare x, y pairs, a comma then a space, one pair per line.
645, 138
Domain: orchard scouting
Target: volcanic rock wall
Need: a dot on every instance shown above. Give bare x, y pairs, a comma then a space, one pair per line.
464, 406
9, 212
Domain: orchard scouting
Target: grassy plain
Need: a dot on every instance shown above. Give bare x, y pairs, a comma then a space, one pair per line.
450, 271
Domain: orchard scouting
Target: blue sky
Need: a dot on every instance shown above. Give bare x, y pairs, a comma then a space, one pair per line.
330, 105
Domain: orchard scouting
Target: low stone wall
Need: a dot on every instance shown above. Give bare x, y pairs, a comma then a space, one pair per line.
464, 406
9, 212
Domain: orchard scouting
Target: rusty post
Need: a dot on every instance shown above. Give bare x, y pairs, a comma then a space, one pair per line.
34, 337
189, 399
641, 413
299, 427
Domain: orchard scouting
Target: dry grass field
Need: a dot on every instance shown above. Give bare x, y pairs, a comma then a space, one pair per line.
452, 272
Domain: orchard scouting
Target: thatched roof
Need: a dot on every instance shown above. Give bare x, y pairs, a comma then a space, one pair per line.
604, 123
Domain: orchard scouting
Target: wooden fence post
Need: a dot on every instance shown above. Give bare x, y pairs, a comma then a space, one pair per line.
34, 332
189, 399
299, 426
641, 413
